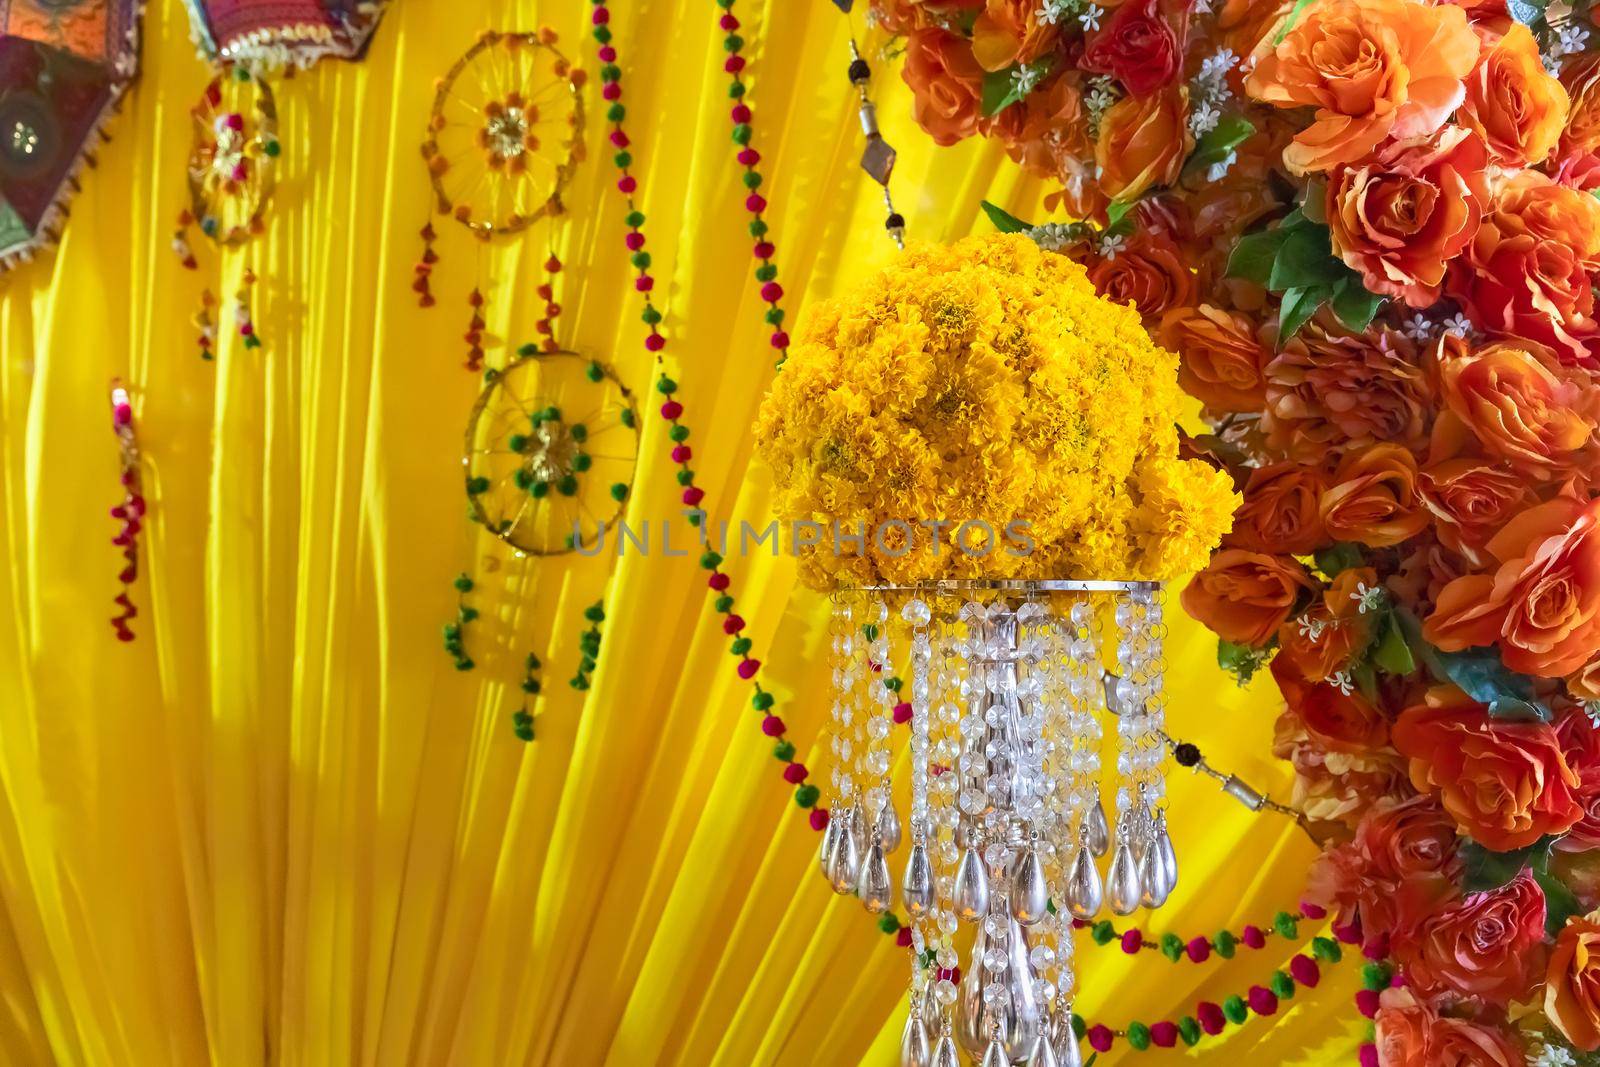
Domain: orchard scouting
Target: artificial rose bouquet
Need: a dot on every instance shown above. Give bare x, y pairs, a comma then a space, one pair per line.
1370, 230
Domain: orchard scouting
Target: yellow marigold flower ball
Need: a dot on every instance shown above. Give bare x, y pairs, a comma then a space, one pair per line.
985, 383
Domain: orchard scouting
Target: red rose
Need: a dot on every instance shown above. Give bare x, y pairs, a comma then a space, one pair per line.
1401, 865
1488, 945
1138, 45
1580, 741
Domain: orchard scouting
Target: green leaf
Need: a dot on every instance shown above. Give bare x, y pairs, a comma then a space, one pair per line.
1119, 218
1003, 220
1366, 680
1252, 255
1299, 304
1288, 23
1229, 133
1241, 661
1483, 870
1391, 654
1000, 89
1478, 673
1305, 259
1314, 204
1354, 305
1338, 557
1559, 902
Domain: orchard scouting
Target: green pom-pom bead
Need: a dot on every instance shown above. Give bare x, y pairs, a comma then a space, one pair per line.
806, 796
468, 614
628, 418
595, 613
579, 682
774, 316
579, 432
685, 476
762, 700
522, 478
272, 148
740, 646
1282, 985
710, 561
766, 272
722, 603
623, 159
757, 228
616, 112
741, 134
1103, 932
530, 685
539, 490
1235, 1010
464, 664
1139, 1036
1326, 949
1225, 943
1285, 924
1375, 976
619, 492
463, 584
736, 90
477, 485
666, 386
1079, 1027
567, 486
582, 461
869, 631
634, 219
784, 750
889, 923
679, 433
732, 43
1171, 946
594, 371
517, 442
651, 316
1189, 1030
452, 631
640, 259
893, 684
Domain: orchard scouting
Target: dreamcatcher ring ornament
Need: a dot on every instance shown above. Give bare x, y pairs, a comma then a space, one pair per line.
550, 450
505, 133
233, 158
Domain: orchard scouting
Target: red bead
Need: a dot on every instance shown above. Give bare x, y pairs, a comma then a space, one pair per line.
1368, 1055
718, 581
1164, 1034
749, 157
1304, 970
626, 183
755, 203
902, 937
655, 343
611, 91
634, 241
693, 495
1367, 1002
1132, 940
902, 713
740, 113
1313, 911
819, 819
545, 292
728, 22
748, 668
780, 339
732, 624
681, 453
1253, 937
1349, 933
607, 54
772, 726
1199, 950
763, 250
772, 292
552, 265
1210, 1017
733, 65
619, 139
1100, 1037
601, 16
1263, 1001
794, 773
671, 410
644, 283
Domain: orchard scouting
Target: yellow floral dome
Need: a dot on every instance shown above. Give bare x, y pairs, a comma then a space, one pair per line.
985, 384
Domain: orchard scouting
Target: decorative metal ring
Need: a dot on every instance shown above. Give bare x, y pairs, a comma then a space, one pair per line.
1008, 585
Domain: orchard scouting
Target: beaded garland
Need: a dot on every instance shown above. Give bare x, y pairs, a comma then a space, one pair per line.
522, 718
130, 513
455, 631
589, 645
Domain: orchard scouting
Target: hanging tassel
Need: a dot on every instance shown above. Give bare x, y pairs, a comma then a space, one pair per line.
205, 324
180, 241
421, 284
241, 311
474, 334
547, 292
130, 513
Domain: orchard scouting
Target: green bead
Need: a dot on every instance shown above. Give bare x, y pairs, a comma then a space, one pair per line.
468, 614
666, 386
272, 148
464, 664
1049, 905
774, 316
640, 259
1375, 976
452, 631
579, 682
517, 442
732, 43
603, 35
710, 561
529, 349
628, 417
888, 923
1326, 949
740, 646
893, 683
582, 461
1235, 1010
523, 478
685, 476
567, 486
1079, 1027
762, 700
241, 73
530, 685
1171, 946
1139, 1036
539, 490
619, 492
736, 90
723, 603
752, 179
1189, 1030
616, 112
1224, 943
635, 219
1285, 924
741, 134
595, 372
869, 630
477, 485
693, 517
532, 662
610, 72
524, 733
586, 664
1282, 985
758, 228
806, 796
623, 160
595, 612
766, 272
651, 316
679, 433
463, 584
1103, 932
784, 750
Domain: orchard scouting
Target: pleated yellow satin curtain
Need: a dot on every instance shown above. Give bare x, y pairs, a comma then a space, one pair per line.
280, 828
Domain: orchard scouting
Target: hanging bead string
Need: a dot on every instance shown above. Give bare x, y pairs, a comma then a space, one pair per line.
1187, 754
1200, 949
130, 513
589, 645
877, 159
180, 241
474, 334
423, 271
546, 326
205, 325
522, 719
455, 631
754, 203
241, 310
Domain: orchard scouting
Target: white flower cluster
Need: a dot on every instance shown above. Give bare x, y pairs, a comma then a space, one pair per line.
1209, 92
1422, 329
1102, 94
1566, 38
1055, 12
1054, 236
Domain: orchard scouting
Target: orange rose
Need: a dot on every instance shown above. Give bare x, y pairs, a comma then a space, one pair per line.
1373, 497
1584, 683
1524, 410
1148, 272
946, 83
1243, 597
1143, 142
1424, 573
1506, 783
1336, 720
1045, 129
1373, 69
1242, 24
1009, 32
1486, 945
1530, 270
1542, 605
1580, 740
1322, 640
1471, 498
1581, 79
1220, 360
1280, 511
1411, 1034
1512, 101
1572, 982
1329, 387
1401, 865
1399, 217
1334, 786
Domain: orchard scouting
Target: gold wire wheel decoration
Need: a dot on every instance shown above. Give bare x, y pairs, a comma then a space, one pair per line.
506, 132
233, 160
550, 450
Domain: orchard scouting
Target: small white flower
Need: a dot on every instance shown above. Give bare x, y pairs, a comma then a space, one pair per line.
1310, 628
1051, 11
1418, 327
1368, 597
1591, 708
1459, 325
1090, 19
1219, 170
1341, 681
1023, 79
1204, 119
1571, 40
1552, 1056
1110, 245
1202, 7
1052, 236
1552, 65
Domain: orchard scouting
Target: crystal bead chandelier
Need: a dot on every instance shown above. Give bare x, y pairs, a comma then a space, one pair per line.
1009, 685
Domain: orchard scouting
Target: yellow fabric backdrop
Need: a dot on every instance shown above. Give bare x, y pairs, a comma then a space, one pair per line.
280, 827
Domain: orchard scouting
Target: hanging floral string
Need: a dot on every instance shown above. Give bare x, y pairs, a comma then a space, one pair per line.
522, 719
130, 513
455, 631
589, 645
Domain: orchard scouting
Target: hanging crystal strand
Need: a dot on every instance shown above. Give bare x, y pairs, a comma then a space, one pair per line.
970, 894
877, 811
1084, 816
1030, 890
838, 661
1124, 887
845, 868
916, 1049
1160, 867
916, 885
944, 783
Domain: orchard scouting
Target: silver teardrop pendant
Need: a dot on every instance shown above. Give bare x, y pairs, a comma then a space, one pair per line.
888, 826
944, 1052
914, 1048
916, 888
1098, 829
995, 1055
846, 863
970, 895
1043, 1054
1122, 880
1084, 891
1030, 894
873, 885
830, 841
1153, 878
1169, 858
1067, 1052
